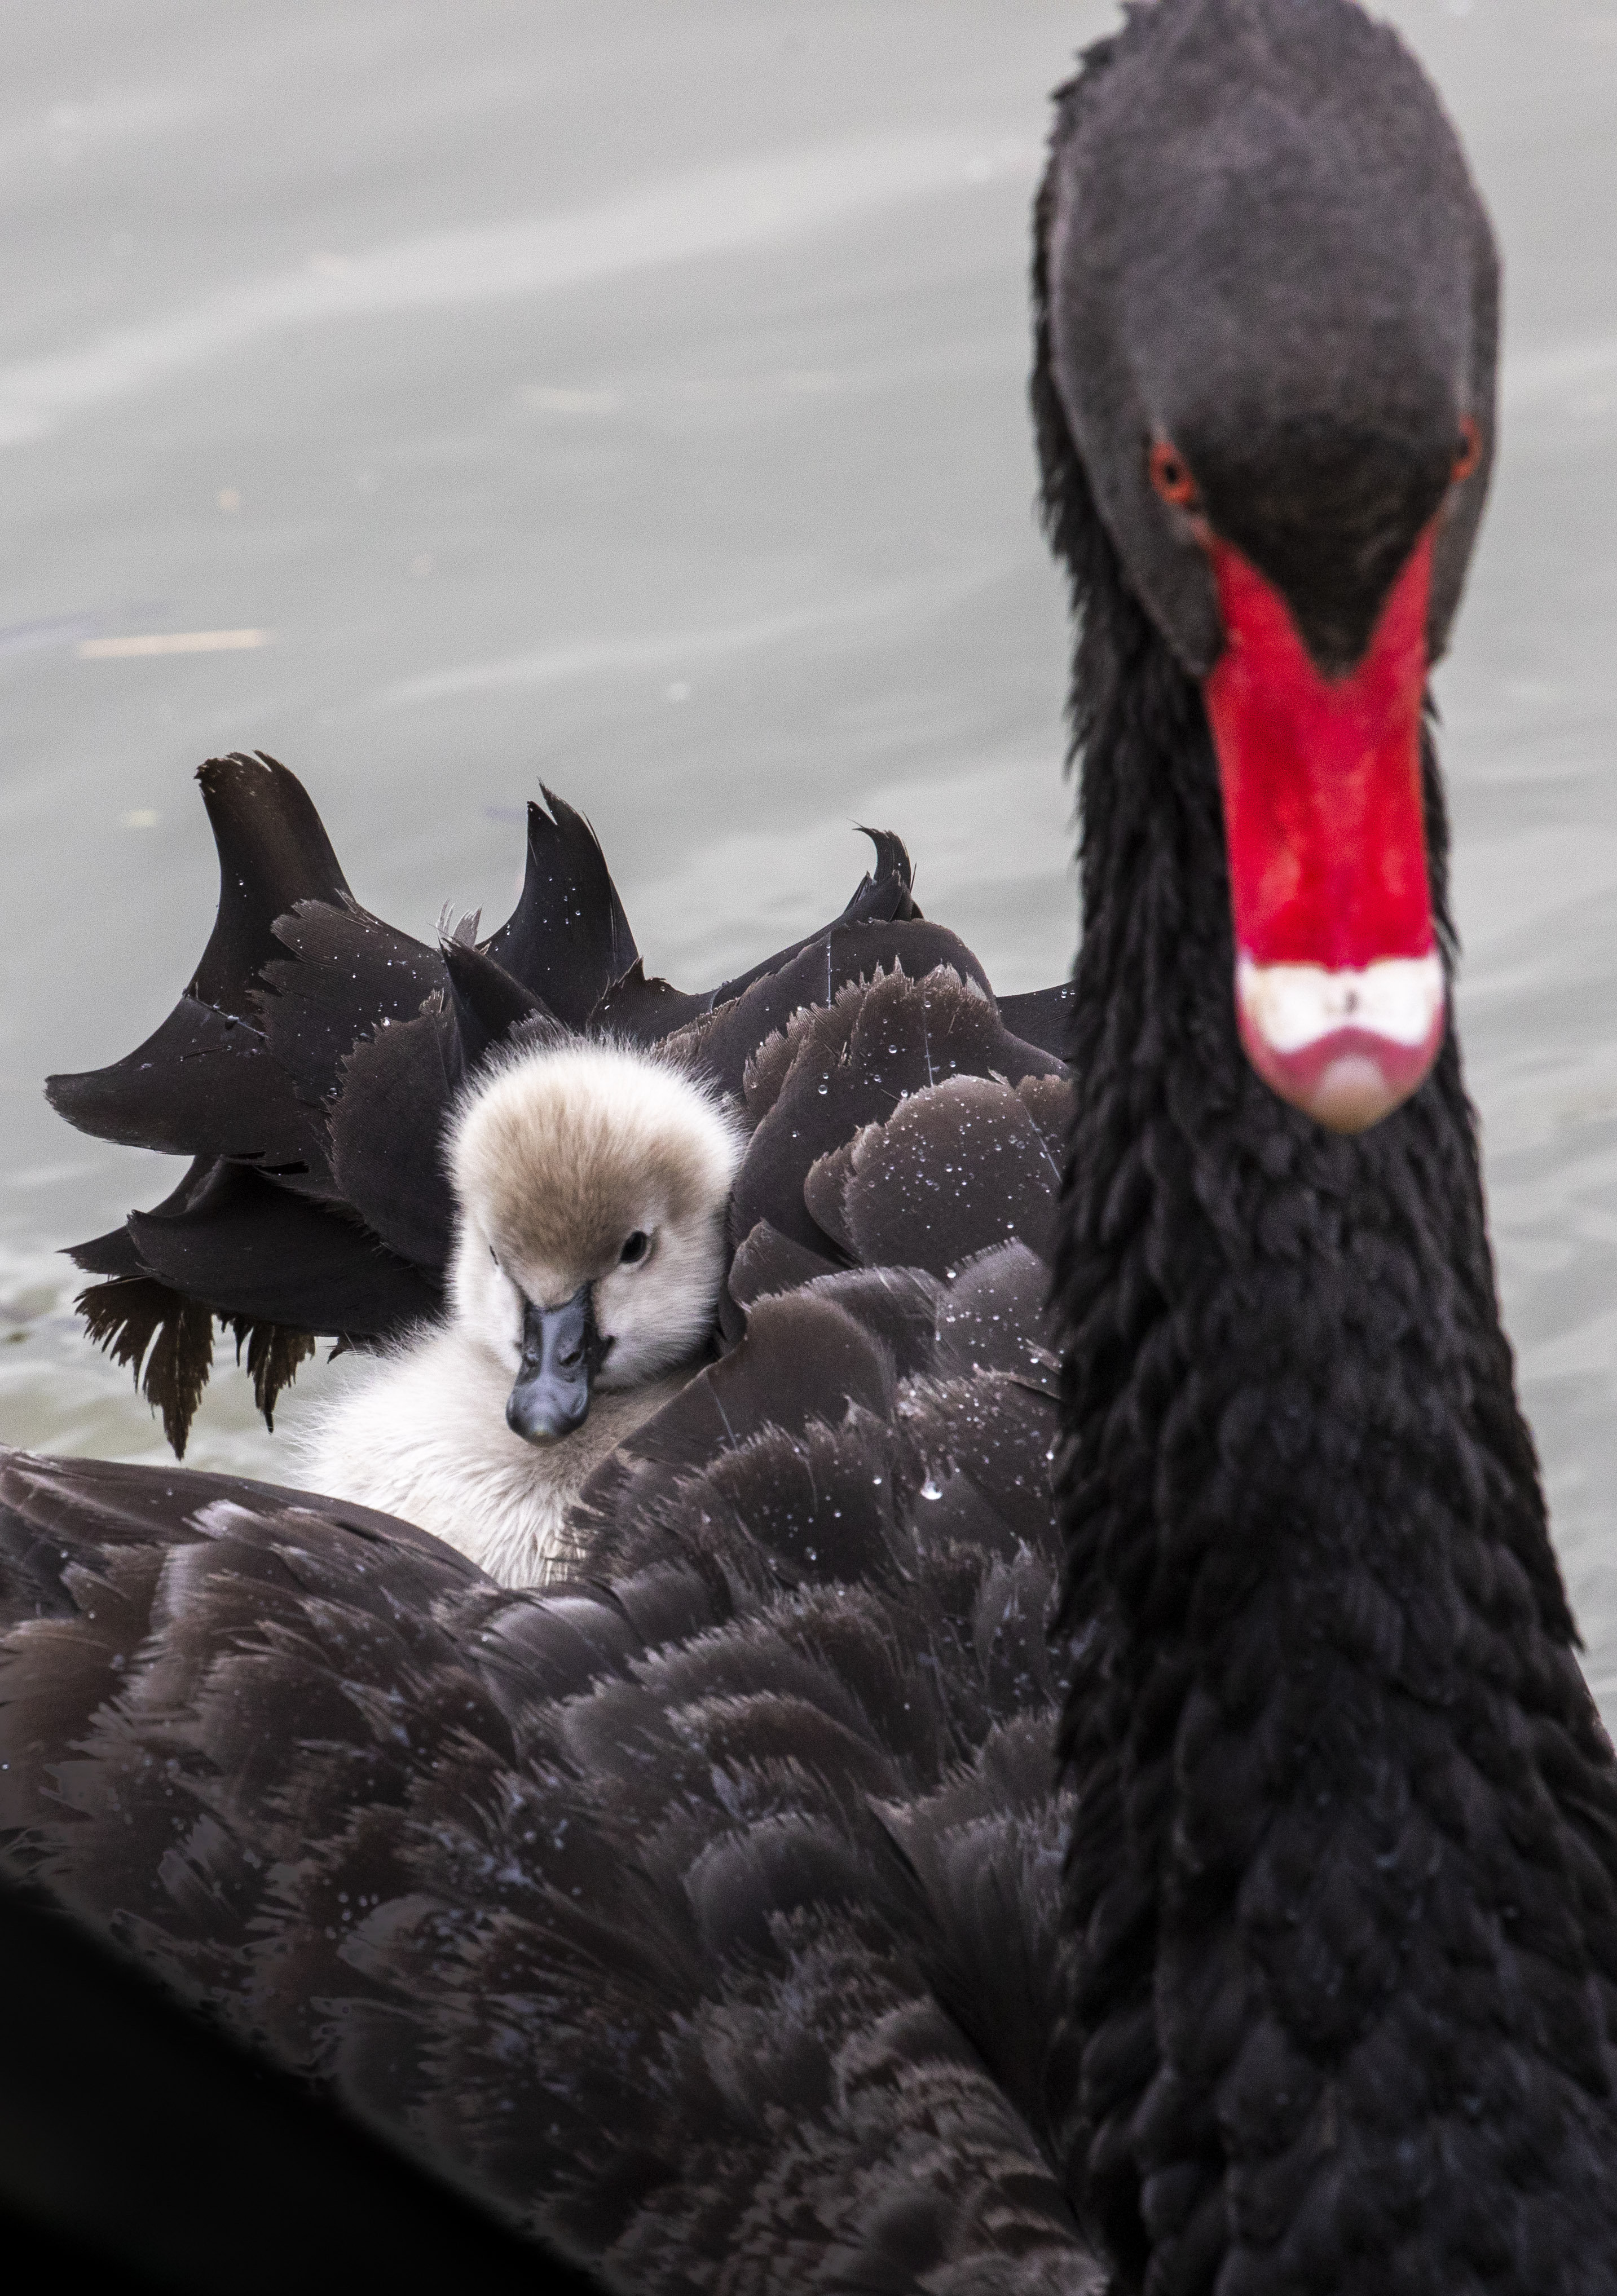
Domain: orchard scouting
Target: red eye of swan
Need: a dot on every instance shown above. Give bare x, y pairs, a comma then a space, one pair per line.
1170, 475
1470, 450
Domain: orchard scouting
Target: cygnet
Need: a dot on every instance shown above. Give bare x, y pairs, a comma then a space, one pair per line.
592, 1181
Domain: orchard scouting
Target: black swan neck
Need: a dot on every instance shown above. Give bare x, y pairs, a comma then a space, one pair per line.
1344, 1875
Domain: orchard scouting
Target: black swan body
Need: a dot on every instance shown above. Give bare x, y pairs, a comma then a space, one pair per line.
720, 1917
721, 1891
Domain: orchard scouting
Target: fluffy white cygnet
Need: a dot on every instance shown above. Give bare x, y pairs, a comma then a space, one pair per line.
592, 1181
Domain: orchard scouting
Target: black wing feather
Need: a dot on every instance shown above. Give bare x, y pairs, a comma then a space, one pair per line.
953, 1171
844, 954
851, 1064
568, 938
200, 1083
490, 1004
1042, 1017
647, 1010
346, 974
203, 1084
396, 1091
244, 1248
274, 852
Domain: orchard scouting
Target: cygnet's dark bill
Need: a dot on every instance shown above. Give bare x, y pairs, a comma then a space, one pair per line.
562, 1352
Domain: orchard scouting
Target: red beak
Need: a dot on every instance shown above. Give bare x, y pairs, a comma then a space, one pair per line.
1339, 983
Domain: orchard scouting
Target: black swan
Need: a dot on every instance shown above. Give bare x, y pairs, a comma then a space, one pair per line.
709, 1915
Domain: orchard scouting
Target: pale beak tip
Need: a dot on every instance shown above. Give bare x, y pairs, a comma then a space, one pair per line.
1354, 1092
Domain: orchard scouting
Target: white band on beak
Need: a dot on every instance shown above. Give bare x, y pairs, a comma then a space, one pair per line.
1292, 1006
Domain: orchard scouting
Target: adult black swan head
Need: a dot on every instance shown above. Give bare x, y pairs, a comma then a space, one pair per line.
1269, 311
1343, 1881
707, 1915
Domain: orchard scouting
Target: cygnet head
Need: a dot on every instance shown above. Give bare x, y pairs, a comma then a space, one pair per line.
593, 1180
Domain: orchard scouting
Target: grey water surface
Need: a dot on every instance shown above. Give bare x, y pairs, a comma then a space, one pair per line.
630, 393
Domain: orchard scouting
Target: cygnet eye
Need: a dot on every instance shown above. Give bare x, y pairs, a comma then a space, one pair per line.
636, 1247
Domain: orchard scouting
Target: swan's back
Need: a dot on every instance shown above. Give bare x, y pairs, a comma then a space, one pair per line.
706, 1907
709, 1909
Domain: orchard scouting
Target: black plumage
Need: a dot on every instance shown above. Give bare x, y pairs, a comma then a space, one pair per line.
242, 1247
1041, 1017
311, 1065
845, 1058
705, 1908
144, 2151
568, 938
1343, 1878
490, 1004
